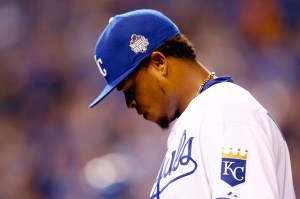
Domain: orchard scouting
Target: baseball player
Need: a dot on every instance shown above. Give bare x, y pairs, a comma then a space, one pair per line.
223, 144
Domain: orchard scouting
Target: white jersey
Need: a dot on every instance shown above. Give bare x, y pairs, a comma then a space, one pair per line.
225, 145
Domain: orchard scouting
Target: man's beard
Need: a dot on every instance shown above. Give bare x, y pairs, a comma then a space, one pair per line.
164, 123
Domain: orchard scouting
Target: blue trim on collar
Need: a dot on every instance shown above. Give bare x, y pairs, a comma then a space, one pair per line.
216, 81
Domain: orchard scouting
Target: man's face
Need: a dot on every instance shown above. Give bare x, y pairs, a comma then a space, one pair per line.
146, 90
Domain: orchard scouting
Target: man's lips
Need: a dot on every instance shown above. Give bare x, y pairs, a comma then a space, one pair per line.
141, 112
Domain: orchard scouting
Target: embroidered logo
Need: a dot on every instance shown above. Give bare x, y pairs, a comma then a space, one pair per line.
233, 169
138, 43
177, 165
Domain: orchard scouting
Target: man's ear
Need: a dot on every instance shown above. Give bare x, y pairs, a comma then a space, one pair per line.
159, 62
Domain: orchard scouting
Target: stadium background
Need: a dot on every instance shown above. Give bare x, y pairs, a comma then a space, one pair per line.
53, 147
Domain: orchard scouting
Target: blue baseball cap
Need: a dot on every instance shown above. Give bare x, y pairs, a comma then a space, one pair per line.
126, 41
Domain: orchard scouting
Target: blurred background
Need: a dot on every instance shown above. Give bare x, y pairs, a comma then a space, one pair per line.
53, 147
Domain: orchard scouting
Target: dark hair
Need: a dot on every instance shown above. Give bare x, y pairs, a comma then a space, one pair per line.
178, 46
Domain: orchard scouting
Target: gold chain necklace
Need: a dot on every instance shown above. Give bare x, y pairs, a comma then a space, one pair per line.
210, 76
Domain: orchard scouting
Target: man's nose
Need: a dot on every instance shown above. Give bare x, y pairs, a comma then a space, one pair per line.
130, 100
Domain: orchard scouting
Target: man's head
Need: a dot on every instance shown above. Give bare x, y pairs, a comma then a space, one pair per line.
148, 82
151, 88
126, 41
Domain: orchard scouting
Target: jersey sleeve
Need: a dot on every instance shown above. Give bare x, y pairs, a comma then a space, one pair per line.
242, 153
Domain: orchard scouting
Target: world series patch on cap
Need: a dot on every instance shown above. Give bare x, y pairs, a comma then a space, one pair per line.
126, 41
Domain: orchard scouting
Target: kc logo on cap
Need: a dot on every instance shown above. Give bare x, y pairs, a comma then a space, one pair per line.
99, 62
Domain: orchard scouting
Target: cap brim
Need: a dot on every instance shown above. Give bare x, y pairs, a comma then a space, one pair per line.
110, 87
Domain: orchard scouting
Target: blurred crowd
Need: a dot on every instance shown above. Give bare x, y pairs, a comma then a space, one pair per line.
53, 147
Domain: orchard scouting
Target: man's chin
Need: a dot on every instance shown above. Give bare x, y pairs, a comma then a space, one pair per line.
164, 123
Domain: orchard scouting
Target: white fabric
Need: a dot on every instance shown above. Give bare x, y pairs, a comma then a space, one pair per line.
225, 116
